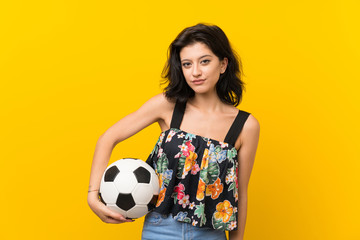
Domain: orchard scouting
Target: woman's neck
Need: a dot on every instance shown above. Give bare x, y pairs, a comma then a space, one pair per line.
207, 103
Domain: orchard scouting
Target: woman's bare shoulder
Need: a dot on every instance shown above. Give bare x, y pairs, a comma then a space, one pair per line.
160, 105
250, 130
164, 101
251, 127
252, 123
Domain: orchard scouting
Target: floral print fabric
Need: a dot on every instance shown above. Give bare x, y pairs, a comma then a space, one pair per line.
198, 179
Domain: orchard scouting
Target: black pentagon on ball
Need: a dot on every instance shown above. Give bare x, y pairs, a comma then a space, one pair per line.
111, 174
125, 201
150, 206
142, 175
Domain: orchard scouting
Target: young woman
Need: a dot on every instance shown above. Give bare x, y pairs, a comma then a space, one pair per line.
206, 150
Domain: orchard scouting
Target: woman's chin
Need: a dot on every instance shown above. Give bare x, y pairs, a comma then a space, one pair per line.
203, 90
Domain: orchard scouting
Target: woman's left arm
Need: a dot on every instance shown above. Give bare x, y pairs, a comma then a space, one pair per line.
246, 156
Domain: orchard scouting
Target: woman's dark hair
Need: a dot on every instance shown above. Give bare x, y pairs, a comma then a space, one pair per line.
229, 87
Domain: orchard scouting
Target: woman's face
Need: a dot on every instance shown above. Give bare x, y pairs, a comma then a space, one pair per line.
201, 67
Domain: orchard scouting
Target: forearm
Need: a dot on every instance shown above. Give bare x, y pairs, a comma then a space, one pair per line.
101, 158
242, 212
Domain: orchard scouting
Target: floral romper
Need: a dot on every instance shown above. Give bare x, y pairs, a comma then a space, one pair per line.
197, 175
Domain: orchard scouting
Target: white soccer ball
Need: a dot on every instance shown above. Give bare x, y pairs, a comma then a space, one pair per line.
130, 187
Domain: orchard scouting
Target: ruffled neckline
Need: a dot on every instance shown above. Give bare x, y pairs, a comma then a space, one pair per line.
202, 137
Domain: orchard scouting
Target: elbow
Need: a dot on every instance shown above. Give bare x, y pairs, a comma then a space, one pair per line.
101, 138
105, 139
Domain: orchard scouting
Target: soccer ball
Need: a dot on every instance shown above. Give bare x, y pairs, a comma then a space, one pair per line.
130, 187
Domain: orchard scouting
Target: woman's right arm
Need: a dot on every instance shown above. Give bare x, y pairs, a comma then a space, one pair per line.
150, 112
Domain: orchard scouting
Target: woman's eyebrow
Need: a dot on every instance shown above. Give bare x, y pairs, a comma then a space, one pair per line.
199, 57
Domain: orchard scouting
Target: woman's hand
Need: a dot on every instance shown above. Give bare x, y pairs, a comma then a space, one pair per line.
104, 213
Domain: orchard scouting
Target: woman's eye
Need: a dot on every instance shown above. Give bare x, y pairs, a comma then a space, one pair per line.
203, 61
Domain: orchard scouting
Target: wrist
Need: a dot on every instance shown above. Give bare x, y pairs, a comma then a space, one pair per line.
93, 196
95, 190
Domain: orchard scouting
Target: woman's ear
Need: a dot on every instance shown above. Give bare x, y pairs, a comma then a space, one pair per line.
224, 64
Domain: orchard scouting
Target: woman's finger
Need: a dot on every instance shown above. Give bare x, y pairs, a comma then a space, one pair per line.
109, 219
117, 216
112, 220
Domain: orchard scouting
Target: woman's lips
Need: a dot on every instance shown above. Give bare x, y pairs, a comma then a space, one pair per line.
200, 81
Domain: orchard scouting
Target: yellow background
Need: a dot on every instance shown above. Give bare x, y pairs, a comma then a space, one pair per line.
71, 69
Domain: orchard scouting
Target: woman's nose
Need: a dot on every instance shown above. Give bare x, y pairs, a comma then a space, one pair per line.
196, 70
